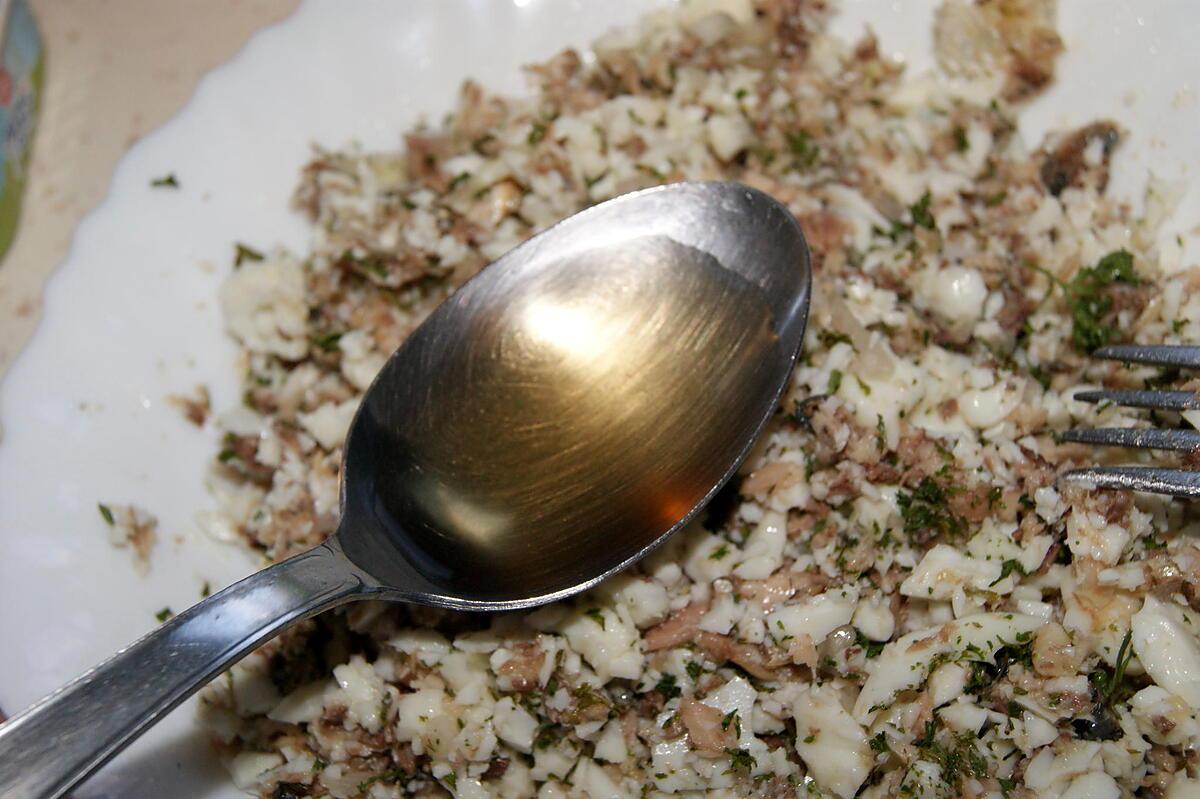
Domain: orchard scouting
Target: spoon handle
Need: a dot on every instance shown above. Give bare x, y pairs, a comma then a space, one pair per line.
55, 744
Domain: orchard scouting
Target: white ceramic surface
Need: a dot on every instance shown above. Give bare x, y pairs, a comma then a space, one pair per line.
131, 315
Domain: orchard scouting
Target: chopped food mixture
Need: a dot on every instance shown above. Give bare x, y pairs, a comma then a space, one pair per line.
893, 599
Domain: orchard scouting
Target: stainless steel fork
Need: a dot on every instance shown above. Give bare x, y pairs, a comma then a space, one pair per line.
1156, 479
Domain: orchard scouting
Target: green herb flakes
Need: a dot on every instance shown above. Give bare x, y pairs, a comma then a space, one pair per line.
668, 687
920, 213
926, 511
805, 152
1090, 301
242, 253
536, 133
597, 616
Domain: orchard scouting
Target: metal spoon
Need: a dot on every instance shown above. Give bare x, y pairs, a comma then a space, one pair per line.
556, 419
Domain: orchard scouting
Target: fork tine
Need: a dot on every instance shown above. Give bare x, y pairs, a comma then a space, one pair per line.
1180, 355
1162, 400
1173, 482
1142, 438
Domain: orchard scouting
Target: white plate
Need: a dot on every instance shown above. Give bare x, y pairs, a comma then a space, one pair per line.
131, 315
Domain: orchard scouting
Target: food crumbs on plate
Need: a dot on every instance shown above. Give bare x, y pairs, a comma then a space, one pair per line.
130, 526
244, 253
195, 407
898, 600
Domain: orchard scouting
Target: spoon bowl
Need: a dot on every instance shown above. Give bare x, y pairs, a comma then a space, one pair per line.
558, 417
579, 400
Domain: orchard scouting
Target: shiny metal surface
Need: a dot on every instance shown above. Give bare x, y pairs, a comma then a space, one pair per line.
1153, 479
562, 414
53, 746
591, 390
1177, 355
1161, 400
1141, 438
1172, 482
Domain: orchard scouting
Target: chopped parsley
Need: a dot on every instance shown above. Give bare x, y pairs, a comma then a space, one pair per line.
870, 648
242, 253
168, 181
1089, 303
667, 686
1008, 567
830, 337
1152, 541
371, 264
328, 341
959, 760
651, 171
719, 553
918, 213
740, 761
960, 139
732, 718
694, 670
597, 616
835, 381
926, 512
921, 215
586, 697
805, 152
547, 735
163, 614
205, 590
106, 514
985, 673
1106, 684
536, 133
387, 776
1039, 374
